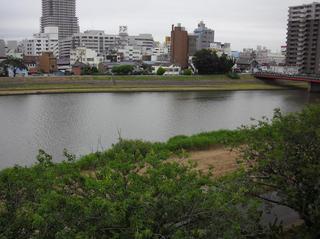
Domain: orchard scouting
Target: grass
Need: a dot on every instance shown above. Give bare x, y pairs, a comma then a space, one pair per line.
92, 84
156, 77
174, 146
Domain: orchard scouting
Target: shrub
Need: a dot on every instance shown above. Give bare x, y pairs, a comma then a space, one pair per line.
187, 72
283, 156
123, 69
161, 71
89, 70
233, 75
132, 194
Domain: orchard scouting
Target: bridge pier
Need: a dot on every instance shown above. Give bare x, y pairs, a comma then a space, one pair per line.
314, 87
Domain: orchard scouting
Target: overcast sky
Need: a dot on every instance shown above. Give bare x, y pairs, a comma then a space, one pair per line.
243, 23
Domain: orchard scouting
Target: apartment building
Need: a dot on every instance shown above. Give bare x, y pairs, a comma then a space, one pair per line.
145, 42
42, 42
303, 38
193, 42
62, 14
221, 48
95, 40
179, 46
205, 36
129, 53
85, 56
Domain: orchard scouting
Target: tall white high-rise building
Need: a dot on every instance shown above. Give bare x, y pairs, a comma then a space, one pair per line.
61, 14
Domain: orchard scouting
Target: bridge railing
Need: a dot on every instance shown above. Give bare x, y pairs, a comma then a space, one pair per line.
274, 75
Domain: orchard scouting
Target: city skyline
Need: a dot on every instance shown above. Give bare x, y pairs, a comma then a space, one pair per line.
244, 24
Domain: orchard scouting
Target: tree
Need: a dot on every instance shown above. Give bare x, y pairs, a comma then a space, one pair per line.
161, 71
123, 69
282, 156
208, 62
14, 63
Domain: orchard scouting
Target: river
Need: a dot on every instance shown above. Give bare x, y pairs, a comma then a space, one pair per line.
84, 123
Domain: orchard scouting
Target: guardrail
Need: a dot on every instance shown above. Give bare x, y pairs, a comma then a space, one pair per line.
300, 77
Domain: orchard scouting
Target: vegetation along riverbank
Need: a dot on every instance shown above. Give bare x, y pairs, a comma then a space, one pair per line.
141, 189
86, 84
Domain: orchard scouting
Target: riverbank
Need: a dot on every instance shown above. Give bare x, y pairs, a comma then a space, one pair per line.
112, 84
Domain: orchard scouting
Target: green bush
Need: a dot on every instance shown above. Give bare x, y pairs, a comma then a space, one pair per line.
187, 72
130, 194
123, 70
283, 155
205, 140
89, 70
233, 75
161, 71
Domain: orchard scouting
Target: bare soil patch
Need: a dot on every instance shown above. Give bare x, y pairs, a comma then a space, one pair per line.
221, 159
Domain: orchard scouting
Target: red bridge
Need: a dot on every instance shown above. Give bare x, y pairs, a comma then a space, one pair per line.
314, 81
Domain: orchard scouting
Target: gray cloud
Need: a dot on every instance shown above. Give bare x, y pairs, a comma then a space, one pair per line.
244, 23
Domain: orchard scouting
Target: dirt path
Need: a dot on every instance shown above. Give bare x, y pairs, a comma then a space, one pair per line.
222, 160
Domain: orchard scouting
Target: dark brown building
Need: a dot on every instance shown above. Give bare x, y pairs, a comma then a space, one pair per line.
48, 63
179, 46
303, 38
32, 64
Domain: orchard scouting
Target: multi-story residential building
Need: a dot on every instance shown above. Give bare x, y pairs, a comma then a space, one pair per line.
106, 44
85, 56
145, 42
65, 46
2, 48
179, 46
167, 44
275, 58
205, 36
221, 48
42, 42
62, 14
192, 42
303, 38
284, 50
160, 54
95, 40
130, 53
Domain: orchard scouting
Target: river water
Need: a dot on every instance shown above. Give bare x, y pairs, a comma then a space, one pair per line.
85, 123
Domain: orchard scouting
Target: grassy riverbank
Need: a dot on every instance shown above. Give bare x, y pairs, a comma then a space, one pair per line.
86, 84
141, 190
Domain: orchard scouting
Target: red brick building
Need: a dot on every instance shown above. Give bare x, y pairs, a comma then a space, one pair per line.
48, 63
179, 46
